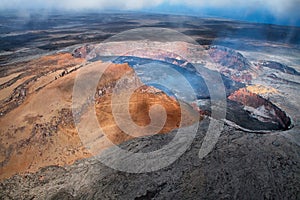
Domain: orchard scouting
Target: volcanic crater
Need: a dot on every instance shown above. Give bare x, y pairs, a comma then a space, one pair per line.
245, 109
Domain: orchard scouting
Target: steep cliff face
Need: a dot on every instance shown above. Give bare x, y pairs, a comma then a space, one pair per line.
261, 109
229, 58
233, 64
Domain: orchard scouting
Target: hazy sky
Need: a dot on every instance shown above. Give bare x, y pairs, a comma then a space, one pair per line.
269, 11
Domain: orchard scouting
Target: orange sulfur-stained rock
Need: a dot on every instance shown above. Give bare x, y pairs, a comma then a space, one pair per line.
37, 128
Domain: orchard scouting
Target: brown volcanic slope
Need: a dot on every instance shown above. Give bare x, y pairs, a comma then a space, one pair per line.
139, 105
37, 127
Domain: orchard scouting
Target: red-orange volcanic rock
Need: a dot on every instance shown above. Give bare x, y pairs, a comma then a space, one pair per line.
266, 108
40, 131
139, 105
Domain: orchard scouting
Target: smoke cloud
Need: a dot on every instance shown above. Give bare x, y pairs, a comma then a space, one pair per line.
279, 9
